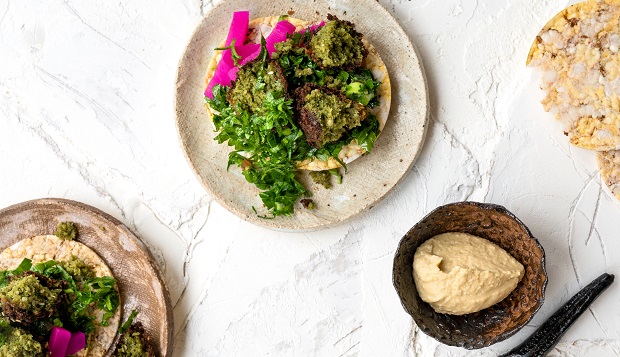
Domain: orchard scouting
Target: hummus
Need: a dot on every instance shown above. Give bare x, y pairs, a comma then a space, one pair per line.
458, 273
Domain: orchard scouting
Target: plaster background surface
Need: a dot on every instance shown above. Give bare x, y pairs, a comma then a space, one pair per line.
86, 113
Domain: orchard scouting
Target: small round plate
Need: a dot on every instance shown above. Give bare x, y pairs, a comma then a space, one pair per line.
138, 277
369, 178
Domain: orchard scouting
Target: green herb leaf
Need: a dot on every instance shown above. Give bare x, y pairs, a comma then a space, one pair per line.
263, 56
23, 266
129, 321
46, 268
233, 52
366, 134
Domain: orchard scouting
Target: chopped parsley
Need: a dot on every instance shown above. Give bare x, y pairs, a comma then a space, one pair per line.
267, 145
128, 322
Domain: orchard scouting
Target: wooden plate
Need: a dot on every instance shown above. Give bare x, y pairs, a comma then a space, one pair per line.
139, 280
369, 178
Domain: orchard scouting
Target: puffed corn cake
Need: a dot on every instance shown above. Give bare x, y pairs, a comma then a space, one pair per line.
578, 53
609, 163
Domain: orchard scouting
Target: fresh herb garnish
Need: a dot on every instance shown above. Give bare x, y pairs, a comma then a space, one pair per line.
267, 146
362, 87
233, 52
263, 55
22, 267
336, 172
127, 323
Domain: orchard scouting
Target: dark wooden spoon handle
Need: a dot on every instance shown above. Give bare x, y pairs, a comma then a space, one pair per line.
548, 335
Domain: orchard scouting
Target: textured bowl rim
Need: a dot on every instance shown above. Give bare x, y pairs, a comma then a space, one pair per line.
483, 206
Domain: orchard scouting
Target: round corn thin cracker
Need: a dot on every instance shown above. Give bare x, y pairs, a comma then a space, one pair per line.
373, 62
609, 164
578, 52
48, 247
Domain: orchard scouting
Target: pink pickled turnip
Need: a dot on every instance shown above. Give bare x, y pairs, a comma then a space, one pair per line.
219, 77
247, 53
76, 343
278, 34
226, 70
238, 30
313, 27
59, 340
232, 73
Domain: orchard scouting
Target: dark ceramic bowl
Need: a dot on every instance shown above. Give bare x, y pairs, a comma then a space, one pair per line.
493, 324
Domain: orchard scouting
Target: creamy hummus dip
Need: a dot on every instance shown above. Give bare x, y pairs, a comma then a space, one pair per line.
459, 273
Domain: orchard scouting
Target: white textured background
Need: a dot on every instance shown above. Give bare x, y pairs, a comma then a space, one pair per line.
86, 113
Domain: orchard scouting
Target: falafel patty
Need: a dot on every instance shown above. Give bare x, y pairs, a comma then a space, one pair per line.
325, 114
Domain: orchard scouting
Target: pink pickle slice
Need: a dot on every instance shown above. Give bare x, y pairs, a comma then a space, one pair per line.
248, 52
76, 343
59, 340
278, 34
226, 71
220, 77
313, 27
238, 30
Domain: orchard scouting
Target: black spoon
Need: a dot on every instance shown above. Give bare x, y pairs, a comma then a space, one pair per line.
548, 335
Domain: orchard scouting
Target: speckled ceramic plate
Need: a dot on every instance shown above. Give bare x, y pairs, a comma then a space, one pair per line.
138, 277
370, 177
